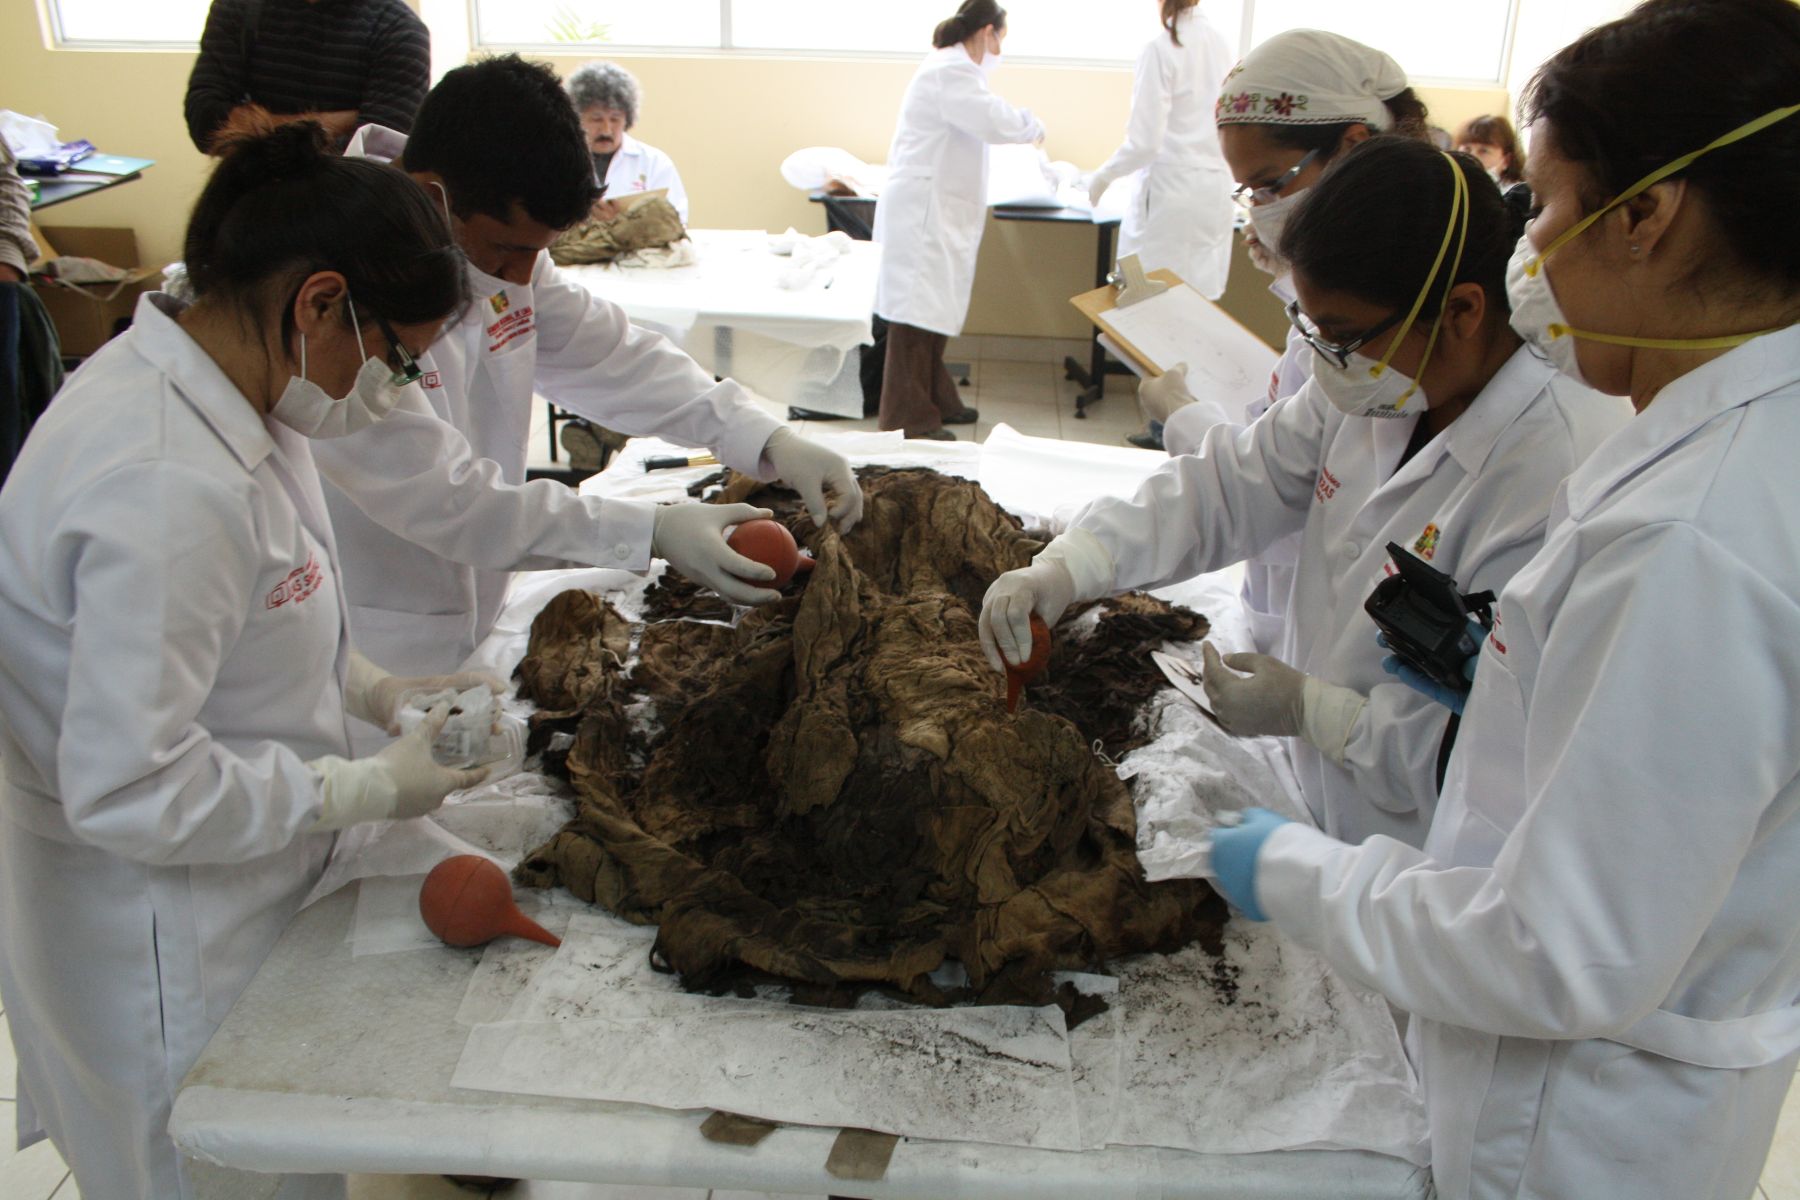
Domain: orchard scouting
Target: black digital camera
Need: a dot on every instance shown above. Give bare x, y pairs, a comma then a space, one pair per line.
1426, 618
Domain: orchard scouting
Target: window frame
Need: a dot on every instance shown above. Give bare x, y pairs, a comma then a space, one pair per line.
51, 20
726, 48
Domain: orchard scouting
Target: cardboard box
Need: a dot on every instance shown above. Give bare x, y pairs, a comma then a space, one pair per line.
87, 315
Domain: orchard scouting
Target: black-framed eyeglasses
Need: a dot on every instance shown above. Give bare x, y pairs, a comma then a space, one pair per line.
1337, 352
405, 367
1249, 196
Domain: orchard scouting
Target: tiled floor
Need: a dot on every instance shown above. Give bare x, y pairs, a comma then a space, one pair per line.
1034, 399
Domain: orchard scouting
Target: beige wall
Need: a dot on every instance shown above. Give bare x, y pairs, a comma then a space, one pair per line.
727, 120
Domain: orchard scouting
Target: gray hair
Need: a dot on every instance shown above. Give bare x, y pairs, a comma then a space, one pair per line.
605, 85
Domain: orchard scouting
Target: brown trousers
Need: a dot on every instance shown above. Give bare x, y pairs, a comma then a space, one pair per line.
917, 392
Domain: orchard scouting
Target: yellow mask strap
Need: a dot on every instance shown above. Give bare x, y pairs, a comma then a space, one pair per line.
1655, 177
1458, 228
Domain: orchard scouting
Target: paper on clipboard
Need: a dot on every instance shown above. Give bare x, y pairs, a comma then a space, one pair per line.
1226, 362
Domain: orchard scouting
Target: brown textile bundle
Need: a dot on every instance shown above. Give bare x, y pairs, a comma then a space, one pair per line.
837, 798
646, 225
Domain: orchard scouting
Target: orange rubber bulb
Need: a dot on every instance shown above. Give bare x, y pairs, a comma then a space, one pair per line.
468, 901
768, 542
1019, 677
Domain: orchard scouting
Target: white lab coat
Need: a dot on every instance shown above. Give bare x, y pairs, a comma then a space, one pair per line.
174, 655
1473, 501
1181, 214
425, 584
636, 168
1268, 574
425, 590
1600, 942
933, 207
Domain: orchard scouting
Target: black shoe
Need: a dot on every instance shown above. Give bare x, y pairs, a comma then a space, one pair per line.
935, 435
484, 1185
1145, 441
968, 416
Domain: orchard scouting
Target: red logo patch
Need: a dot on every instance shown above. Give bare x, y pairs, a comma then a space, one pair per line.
300, 583
431, 379
1328, 486
510, 328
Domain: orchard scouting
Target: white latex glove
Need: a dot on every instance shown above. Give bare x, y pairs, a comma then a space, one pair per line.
401, 781
1074, 566
372, 695
1163, 395
1274, 698
1097, 183
692, 538
811, 470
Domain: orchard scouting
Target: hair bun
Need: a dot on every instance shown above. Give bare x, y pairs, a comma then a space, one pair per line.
292, 150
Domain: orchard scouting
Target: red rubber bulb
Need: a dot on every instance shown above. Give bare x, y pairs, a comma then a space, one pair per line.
468, 901
768, 542
1019, 677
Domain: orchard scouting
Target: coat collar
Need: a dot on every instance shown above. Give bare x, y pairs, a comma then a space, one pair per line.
1473, 435
198, 380
1752, 371
1471, 438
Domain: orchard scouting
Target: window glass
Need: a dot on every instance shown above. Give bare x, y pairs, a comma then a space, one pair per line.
680, 23
151, 22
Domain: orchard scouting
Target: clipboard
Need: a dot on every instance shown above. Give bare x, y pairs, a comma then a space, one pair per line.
1184, 326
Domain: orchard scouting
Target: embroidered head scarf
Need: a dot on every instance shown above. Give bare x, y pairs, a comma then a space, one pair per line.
1310, 77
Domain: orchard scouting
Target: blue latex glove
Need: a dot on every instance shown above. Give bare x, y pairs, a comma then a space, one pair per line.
1424, 684
1234, 852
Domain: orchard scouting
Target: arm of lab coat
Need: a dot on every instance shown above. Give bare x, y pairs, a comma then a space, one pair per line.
593, 361
671, 179
1150, 92
972, 108
164, 560
416, 476
1637, 815
1244, 488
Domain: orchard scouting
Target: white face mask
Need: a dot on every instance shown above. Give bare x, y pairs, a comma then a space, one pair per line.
1268, 221
1360, 390
1536, 316
990, 62
308, 409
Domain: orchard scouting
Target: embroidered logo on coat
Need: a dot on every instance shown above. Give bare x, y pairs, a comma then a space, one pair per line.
510, 328
1328, 485
499, 303
432, 379
301, 583
1426, 546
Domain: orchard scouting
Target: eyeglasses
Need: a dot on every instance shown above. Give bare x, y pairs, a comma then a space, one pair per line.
1249, 196
1336, 352
406, 368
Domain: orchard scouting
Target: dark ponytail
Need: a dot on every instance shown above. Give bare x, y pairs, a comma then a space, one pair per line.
1171, 13
1411, 120
281, 206
974, 15
1373, 224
